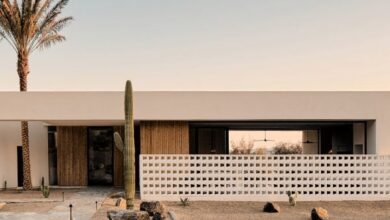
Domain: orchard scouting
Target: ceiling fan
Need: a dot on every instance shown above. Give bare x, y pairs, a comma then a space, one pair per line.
265, 138
307, 141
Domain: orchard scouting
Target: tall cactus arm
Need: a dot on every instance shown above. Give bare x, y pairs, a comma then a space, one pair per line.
118, 141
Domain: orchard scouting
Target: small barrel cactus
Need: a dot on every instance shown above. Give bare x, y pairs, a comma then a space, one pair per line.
45, 191
292, 196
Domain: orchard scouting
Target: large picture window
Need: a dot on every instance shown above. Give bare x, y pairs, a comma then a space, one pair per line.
263, 142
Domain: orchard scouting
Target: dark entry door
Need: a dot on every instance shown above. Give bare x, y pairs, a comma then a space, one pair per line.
100, 156
20, 166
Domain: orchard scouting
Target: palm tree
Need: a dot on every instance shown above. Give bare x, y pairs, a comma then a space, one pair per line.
27, 26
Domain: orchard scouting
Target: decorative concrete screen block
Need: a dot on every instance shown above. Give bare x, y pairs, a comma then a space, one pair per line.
264, 178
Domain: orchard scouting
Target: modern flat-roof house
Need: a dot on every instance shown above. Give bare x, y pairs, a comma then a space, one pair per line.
183, 142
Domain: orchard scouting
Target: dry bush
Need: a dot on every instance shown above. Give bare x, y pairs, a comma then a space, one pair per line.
287, 148
245, 147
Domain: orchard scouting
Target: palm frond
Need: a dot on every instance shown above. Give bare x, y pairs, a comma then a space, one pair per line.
7, 18
54, 12
60, 24
48, 41
4, 36
32, 24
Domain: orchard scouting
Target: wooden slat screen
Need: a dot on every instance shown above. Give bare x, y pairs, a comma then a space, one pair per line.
164, 137
72, 156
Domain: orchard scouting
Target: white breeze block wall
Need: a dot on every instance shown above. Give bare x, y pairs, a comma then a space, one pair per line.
264, 178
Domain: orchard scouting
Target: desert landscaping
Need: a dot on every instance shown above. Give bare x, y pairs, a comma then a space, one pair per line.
31, 205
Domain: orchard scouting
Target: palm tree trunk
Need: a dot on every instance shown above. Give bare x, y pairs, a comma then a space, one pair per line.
23, 71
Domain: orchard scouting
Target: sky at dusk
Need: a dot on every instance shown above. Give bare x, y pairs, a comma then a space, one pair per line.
214, 45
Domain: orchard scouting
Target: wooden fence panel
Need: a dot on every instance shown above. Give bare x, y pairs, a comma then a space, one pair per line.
72, 156
164, 137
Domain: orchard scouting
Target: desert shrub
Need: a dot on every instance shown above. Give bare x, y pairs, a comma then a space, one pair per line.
245, 147
287, 148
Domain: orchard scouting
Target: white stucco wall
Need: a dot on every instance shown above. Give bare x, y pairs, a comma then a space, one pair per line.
10, 139
102, 108
359, 137
106, 108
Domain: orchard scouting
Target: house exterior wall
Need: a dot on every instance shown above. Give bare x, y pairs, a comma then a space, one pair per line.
10, 138
359, 138
106, 108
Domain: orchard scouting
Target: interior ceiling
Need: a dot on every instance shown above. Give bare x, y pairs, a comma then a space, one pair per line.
267, 125
85, 123
277, 125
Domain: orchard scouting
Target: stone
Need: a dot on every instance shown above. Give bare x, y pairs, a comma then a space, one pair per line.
118, 195
319, 214
121, 203
158, 216
271, 207
172, 215
153, 208
127, 215
2, 204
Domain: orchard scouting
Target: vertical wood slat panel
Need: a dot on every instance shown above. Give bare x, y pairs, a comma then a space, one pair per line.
72, 156
118, 160
164, 137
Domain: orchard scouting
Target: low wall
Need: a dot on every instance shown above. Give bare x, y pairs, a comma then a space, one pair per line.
264, 178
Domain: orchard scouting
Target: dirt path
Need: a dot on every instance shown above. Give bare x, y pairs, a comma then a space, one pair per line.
253, 210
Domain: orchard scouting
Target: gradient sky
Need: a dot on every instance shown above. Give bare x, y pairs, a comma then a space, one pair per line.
215, 45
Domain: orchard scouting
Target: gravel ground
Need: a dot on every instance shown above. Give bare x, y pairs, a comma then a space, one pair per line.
83, 201
32, 201
350, 210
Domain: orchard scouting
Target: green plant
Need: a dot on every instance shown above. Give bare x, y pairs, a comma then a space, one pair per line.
129, 148
292, 196
42, 182
45, 191
185, 201
118, 141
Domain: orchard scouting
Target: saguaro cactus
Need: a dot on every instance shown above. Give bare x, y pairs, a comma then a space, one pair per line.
129, 148
118, 141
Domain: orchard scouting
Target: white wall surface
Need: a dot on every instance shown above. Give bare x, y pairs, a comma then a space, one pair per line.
10, 138
86, 108
313, 177
359, 136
